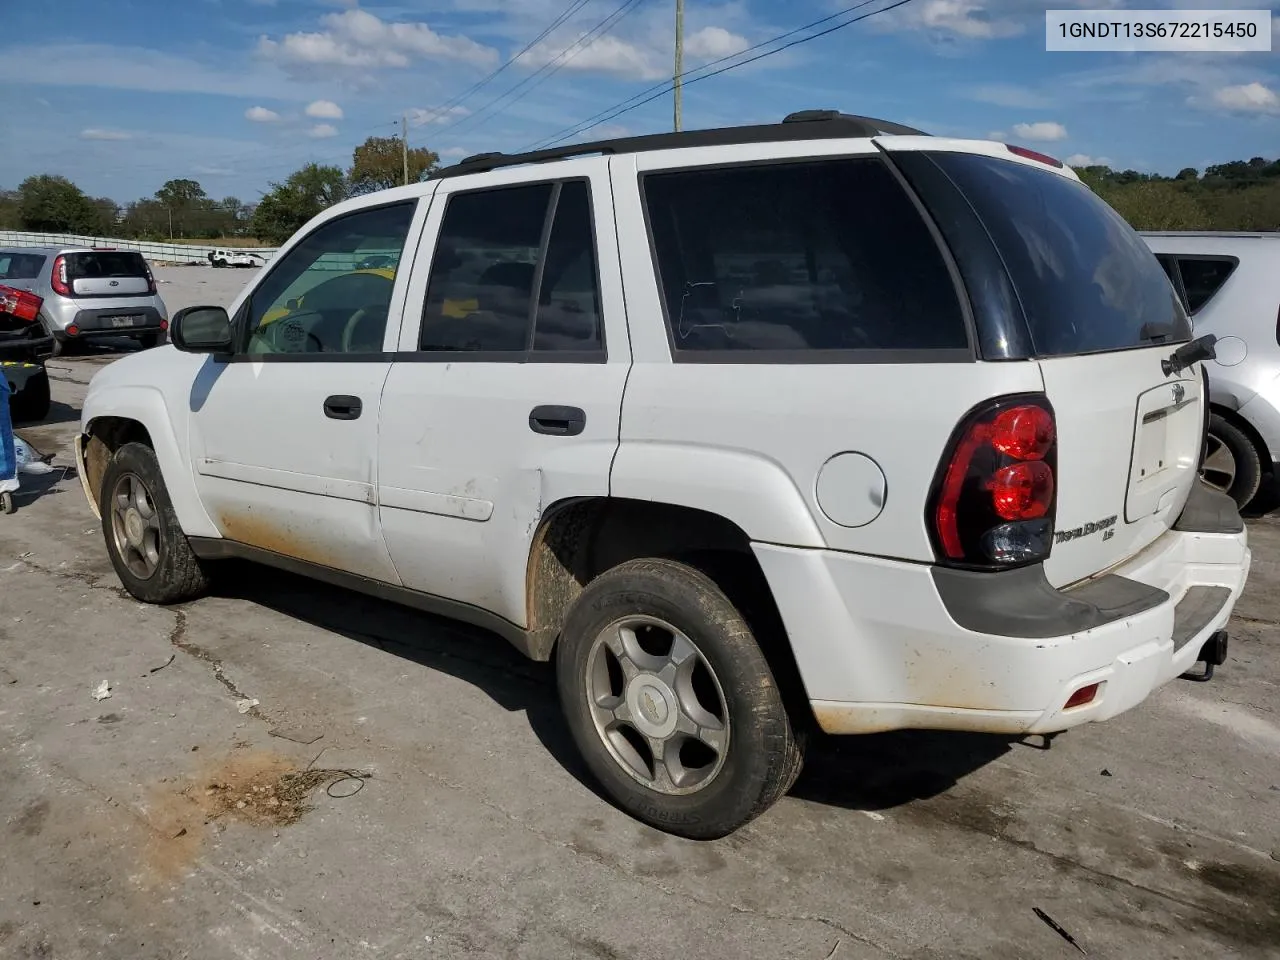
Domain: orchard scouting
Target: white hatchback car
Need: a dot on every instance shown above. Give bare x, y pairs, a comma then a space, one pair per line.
825, 424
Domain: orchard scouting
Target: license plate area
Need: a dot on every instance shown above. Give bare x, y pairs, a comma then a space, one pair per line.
1166, 446
129, 320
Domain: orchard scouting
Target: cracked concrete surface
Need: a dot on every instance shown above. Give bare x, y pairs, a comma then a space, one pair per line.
1154, 836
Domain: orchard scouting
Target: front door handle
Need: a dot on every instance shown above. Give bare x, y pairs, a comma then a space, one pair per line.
557, 421
343, 408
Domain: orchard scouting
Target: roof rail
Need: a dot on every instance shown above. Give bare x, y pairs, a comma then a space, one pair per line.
804, 125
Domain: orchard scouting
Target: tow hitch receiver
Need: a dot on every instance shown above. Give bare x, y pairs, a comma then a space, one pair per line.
1212, 654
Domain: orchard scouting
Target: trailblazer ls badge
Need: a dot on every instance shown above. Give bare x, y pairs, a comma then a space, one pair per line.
1088, 530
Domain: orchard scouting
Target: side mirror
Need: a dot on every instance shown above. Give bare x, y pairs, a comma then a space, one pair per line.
201, 330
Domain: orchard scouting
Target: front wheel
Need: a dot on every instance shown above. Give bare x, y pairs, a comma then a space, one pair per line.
148, 549
671, 701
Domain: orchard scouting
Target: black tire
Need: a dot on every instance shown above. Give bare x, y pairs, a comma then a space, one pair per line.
33, 401
178, 574
763, 756
7, 506
1242, 479
149, 340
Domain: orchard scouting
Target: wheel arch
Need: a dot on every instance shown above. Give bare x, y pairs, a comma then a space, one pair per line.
139, 414
578, 539
1240, 422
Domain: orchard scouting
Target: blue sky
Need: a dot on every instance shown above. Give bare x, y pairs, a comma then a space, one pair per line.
235, 93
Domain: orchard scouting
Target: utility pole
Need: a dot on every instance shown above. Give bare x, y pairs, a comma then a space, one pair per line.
678, 80
404, 144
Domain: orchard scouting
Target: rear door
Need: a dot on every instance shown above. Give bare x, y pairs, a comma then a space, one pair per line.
108, 273
1102, 317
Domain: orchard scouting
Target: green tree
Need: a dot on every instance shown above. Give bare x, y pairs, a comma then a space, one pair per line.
54, 204
290, 204
378, 164
10, 210
1188, 173
181, 193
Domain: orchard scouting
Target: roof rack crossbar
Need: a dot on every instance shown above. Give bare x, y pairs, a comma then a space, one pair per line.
805, 125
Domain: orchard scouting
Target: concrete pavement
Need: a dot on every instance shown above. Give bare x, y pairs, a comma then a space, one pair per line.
156, 823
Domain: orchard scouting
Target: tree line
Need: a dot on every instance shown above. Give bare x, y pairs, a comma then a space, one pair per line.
1240, 195
181, 209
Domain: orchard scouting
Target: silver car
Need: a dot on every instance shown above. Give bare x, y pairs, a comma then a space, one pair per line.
1228, 282
89, 293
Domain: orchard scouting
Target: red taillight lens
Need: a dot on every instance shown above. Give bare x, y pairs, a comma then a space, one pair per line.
1082, 696
1034, 155
993, 503
20, 304
1022, 491
59, 278
151, 281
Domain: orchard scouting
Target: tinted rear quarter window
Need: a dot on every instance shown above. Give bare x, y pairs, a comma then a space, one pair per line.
20, 266
101, 263
1202, 277
807, 258
1087, 282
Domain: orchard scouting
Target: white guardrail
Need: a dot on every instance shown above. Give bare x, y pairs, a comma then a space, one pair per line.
155, 252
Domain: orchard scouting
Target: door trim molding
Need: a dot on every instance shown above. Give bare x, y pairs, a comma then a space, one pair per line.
355, 490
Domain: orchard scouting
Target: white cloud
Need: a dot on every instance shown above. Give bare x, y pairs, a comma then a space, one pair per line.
602, 54
1041, 130
712, 43
97, 133
419, 117
455, 153
357, 38
324, 110
1247, 98
211, 171
322, 131
261, 115
1084, 160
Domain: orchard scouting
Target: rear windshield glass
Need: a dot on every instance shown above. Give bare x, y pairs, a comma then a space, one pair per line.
104, 263
1087, 281
814, 257
20, 266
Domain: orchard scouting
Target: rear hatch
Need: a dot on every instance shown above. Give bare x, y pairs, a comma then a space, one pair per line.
1101, 316
108, 273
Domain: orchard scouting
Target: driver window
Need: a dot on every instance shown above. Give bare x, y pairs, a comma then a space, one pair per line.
332, 292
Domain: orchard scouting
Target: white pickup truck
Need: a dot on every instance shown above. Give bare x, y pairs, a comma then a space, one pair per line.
234, 258
825, 424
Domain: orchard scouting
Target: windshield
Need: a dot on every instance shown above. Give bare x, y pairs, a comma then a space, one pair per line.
1087, 282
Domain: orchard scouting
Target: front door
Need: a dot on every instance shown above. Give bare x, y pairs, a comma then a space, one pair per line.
284, 434
505, 397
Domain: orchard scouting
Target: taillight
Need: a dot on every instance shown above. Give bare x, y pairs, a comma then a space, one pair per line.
1033, 155
151, 281
59, 278
20, 304
994, 499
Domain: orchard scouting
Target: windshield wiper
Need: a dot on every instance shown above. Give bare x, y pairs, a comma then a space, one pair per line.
1204, 348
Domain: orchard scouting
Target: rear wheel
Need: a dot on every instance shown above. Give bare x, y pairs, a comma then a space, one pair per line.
672, 703
1231, 463
147, 547
33, 401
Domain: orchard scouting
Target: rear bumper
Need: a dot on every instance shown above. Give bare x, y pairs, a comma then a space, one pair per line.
884, 645
103, 322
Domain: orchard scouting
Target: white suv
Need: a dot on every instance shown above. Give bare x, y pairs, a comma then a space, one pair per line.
821, 425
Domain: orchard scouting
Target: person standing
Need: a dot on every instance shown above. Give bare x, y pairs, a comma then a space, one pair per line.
8, 453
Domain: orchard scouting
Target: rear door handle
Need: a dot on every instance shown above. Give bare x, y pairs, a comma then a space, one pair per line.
558, 421
343, 408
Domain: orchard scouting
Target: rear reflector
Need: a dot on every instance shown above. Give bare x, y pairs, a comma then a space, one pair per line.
1034, 155
73, 331
1082, 696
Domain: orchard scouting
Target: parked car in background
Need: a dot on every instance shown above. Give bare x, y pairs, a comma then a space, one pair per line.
222, 257
1230, 284
90, 293
820, 425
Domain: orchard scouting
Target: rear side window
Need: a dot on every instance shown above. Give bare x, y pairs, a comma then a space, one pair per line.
104, 263
1086, 280
1202, 277
812, 259
515, 272
20, 266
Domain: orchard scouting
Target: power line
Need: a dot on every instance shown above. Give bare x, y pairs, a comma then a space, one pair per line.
662, 89
557, 63
461, 98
